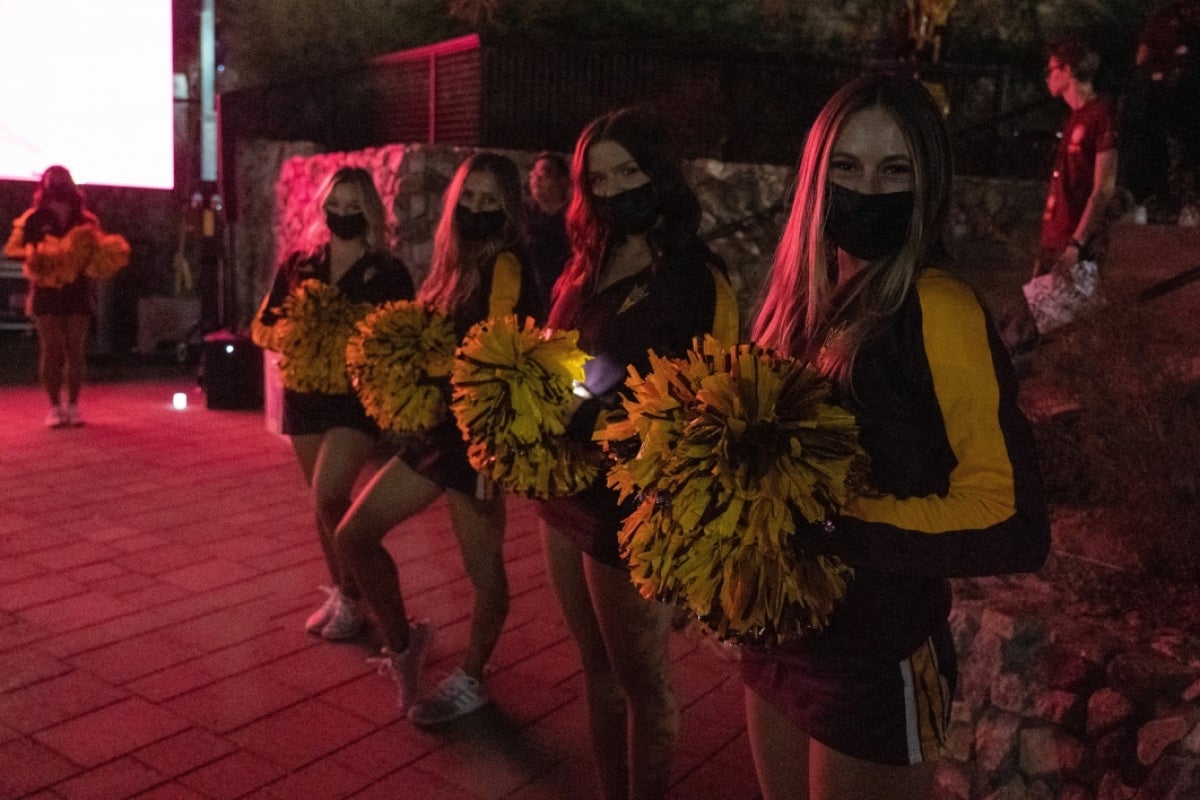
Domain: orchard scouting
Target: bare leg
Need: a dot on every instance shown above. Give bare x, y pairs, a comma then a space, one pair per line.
394, 494
836, 776
52, 346
75, 340
331, 463
607, 717
635, 632
479, 527
781, 750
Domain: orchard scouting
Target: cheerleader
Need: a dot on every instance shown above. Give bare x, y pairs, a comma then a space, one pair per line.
478, 271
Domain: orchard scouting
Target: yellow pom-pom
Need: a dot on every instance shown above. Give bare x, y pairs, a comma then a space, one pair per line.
109, 256
399, 358
265, 336
318, 320
79, 245
725, 448
513, 388
50, 263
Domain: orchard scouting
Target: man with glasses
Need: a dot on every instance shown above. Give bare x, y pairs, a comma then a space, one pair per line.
1084, 181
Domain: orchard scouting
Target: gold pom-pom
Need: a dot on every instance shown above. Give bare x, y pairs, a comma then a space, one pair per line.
513, 389
79, 245
265, 336
109, 256
399, 358
50, 263
724, 449
318, 320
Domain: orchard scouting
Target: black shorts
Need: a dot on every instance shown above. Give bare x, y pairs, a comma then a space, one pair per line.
440, 454
592, 520
313, 412
886, 713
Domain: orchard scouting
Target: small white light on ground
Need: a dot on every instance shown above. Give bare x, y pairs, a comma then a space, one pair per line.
179, 401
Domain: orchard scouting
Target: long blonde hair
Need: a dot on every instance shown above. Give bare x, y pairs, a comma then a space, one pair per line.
801, 304
457, 267
377, 236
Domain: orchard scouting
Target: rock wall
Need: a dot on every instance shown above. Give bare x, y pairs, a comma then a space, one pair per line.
276, 206
1057, 701
994, 221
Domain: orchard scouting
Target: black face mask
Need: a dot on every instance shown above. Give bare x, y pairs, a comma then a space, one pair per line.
346, 226
476, 226
868, 226
633, 211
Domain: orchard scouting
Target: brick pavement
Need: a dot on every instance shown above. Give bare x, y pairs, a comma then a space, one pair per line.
156, 567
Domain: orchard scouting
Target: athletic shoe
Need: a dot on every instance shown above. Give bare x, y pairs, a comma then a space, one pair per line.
73, 418
404, 668
457, 695
56, 417
346, 619
320, 618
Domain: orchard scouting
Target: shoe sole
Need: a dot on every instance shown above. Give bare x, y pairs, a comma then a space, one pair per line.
341, 636
432, 723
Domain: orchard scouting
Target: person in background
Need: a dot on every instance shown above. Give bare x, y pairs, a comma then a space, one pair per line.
478, 272
1167, 72
859, 710
639, 278
333, 438
61, 313
1084, 180
545, 219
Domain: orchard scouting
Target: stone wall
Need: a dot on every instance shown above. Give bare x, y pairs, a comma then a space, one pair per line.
1059, 701
994, 221
276, 206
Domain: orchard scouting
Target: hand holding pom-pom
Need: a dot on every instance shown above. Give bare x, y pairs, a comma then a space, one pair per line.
49, 263
732, 447
399, 359
318, 320
513, 389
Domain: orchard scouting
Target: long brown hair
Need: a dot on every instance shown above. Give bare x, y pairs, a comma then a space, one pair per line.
801, 302
77, 205
644, 139
457, 267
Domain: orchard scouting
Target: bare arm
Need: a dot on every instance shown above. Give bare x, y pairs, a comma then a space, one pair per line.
1104, 188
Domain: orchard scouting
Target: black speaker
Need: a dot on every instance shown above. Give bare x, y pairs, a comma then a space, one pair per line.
231, 372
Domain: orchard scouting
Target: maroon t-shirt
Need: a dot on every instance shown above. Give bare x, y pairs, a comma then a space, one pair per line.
1089, 130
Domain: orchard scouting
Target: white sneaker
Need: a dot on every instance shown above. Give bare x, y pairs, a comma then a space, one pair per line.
56, 417
404, 668
346, 619
458, 694
73, 419
320, 618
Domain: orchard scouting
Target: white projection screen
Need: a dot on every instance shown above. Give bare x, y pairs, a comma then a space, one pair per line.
87, 84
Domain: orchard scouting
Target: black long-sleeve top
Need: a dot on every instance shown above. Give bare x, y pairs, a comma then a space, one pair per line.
957, 489
662, 310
